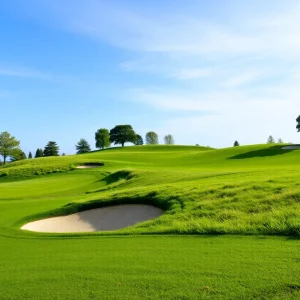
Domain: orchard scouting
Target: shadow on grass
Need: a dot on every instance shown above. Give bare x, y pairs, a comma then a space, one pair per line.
272, 151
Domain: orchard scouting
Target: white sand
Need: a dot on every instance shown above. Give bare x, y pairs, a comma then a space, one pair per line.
100, 219
291, 147
88, 167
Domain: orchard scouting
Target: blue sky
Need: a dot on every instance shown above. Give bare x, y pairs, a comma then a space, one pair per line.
208, 72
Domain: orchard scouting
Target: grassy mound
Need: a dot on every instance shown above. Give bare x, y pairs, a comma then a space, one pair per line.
240, 190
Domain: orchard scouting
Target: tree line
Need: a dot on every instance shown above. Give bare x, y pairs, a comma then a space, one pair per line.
119, 135
270, 140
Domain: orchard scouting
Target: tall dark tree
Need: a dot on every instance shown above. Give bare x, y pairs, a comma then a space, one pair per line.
270, 140
17, 154
51, 149
280, 141
39, 153
122, 134
102, 138
30, 155
236, 144
83, 146
8, 145
139, 140
298, 124
169, 140
151, 138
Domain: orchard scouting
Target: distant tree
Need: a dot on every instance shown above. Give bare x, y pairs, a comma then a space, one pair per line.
169, 140
39, 153
236, 144
8, 145
51, 149
83, 146
30, 155
102, 138
298, 124
280, 141
270, 140
64, 154
139, 140
122, 134
151, 138
17, 154
197, 145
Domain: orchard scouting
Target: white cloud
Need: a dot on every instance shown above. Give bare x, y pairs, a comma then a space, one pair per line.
242, 79
243, 73
23, 73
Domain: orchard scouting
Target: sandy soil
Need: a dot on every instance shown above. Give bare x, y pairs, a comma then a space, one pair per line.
100, 219
291, 147
87, 167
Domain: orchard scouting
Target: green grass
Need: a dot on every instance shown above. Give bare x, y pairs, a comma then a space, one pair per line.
241, 193
150, 268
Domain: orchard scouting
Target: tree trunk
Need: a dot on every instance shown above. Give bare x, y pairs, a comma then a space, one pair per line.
122, 144
4, 159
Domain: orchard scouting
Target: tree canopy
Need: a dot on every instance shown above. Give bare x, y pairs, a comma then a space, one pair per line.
151, 138
17, 154
39, 153
139, 140
169, 140
51, 149
30, 155
236, 144
122, 134
298, 124
83, 146
270, 140
102, 138
8, 145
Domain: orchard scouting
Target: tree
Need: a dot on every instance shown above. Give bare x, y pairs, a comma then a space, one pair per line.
270, 140
17, 154
30, 155
8, 144
39, 153
102, 138
298, 124
280, 141
151, 138
236, 144
122, 134
169, 140
51, 149
139, 140
83, 147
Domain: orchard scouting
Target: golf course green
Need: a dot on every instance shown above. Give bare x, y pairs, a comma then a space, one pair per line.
230, 227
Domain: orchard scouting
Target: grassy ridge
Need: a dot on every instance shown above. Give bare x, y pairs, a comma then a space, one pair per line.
241, 190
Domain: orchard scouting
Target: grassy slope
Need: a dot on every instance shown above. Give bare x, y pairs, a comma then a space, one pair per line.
251, 189
242, 190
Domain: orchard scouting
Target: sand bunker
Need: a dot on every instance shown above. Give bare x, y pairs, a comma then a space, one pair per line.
86, 167
90, 166
291, 147
100, 219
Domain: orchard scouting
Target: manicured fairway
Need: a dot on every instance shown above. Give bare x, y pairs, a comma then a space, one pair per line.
230, 230
150, 268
